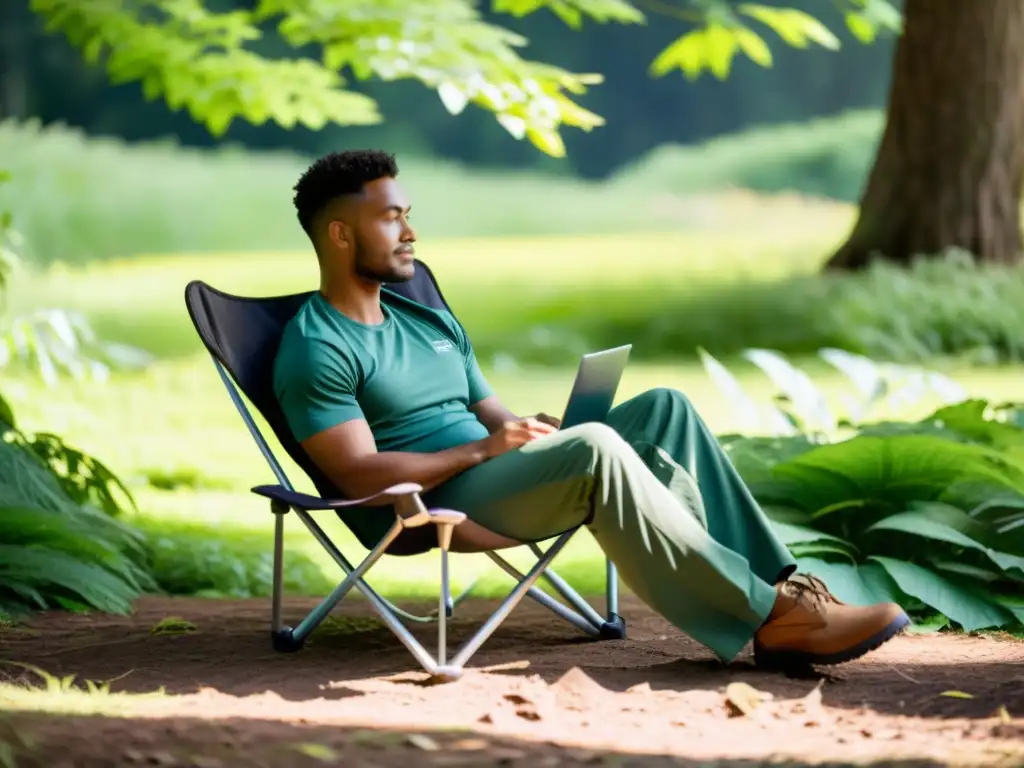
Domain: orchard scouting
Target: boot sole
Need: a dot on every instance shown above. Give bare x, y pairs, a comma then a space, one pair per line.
796, 659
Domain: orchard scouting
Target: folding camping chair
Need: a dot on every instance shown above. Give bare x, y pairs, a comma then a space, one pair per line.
242, 336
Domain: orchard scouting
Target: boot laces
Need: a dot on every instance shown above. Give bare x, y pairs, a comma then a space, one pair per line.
810, 589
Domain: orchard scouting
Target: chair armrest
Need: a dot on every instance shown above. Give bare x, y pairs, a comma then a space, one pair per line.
305, 501
408, 506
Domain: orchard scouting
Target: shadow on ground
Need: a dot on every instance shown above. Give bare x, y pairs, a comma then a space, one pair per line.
52, 741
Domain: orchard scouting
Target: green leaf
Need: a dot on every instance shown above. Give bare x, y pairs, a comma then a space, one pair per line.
882, 475
964, 606
965, 569
687, 54
861, 28
921, 524
754, 46
794, 26
549, 142
799, 534
819, 548
6, 416
719, 48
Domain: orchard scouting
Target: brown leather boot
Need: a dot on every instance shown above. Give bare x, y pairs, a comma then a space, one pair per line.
810, 626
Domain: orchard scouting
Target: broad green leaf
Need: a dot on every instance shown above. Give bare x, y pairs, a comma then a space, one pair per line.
797, 386
922, 524
820, 548
887, 473
1006, 561
755, 457
798, 534
964, 606
964, 569
1014, 606
729, 387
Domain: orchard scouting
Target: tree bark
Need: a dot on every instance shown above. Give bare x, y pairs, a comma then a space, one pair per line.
950, 165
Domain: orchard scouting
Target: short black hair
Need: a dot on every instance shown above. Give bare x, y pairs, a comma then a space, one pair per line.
338, 174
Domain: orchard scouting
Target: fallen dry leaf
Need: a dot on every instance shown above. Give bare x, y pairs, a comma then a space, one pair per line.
743, 698
812, 701
421, 741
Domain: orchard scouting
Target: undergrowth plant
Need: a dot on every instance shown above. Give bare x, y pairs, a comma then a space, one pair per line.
928, 513
61, 545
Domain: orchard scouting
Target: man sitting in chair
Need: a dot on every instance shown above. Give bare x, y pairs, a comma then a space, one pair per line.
379, 390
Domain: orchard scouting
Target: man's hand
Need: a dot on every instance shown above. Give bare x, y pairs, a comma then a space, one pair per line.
553, 421
514, 434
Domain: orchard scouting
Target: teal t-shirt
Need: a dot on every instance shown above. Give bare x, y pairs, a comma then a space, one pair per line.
411, 377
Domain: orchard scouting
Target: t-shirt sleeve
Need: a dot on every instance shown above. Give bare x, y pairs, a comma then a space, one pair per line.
479, 388
316, 389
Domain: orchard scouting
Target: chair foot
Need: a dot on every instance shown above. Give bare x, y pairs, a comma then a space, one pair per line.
446, 674
284, 641
614, 629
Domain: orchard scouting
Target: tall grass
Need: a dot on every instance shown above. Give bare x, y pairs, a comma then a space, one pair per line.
79, 198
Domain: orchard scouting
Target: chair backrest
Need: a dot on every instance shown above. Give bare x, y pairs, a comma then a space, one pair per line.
243, 334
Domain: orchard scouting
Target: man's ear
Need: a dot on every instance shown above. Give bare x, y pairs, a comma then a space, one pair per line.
339, 233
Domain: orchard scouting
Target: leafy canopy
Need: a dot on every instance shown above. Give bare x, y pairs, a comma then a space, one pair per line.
203, 60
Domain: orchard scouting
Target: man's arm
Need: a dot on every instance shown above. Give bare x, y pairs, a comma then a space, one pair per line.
493, 415
347, 454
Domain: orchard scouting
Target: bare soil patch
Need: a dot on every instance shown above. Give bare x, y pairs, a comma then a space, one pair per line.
538, 694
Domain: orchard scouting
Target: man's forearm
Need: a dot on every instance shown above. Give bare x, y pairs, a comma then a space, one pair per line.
492, 414
377, 471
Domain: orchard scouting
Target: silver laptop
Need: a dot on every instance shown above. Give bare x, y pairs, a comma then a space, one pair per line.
597, 381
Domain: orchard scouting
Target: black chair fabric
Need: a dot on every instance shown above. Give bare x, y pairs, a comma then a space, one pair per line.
244, 334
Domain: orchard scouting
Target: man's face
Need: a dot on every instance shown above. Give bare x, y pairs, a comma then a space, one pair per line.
382, 238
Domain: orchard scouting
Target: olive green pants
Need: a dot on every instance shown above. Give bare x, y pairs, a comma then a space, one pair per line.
691, 543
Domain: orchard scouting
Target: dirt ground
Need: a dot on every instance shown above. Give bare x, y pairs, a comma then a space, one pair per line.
538, 695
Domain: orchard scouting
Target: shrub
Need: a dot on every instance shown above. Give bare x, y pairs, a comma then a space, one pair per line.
929, 514
56, 552
947, 305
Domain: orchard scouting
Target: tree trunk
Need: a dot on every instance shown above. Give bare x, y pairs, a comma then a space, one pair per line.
950, 164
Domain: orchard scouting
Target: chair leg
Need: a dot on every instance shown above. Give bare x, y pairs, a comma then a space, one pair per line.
614, 628
293, 639
282, 640
587, 625
471, 646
